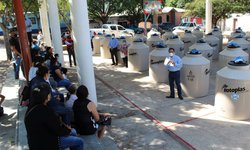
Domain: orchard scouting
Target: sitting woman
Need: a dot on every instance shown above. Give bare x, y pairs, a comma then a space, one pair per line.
44, 129
86, 115
58, 75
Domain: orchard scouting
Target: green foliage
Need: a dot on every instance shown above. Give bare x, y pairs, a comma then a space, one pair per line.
177, 3
134, 10
102, 9
64, 12
221, 8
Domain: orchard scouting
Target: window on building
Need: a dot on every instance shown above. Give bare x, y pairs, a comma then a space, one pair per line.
159, 19
168, 18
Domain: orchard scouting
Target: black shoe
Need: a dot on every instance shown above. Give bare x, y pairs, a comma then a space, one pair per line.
112, 64
180, 97
169, 96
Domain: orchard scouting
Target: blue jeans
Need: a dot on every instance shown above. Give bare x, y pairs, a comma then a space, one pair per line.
65, 82
17, 64
73, 142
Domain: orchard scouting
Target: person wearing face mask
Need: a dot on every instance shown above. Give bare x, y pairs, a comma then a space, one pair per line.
113, 44
124, 52
174, 65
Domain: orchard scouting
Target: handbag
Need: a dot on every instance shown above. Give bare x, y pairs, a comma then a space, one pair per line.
105, 120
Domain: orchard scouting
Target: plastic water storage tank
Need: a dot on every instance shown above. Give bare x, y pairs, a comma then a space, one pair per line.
153, 40
153, 31
242, 42
177, 44
195, 74
232, 91
216, 32
232, 50
157, 71
138, 54
167, 35
214, 42
97, 43
105, 53
237, 32
197, 33
206, 49
188, 39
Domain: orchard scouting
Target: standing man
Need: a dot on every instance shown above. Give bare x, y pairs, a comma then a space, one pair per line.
70, 48
113, 44
174, 64
15, 48
28, 24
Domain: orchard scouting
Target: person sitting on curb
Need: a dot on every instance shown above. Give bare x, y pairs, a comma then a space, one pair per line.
45, 131
86, 115
2, 99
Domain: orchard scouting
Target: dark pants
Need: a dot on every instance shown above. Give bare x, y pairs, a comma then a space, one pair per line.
71, 54
114, 56
174, 77
30, 38
125, 61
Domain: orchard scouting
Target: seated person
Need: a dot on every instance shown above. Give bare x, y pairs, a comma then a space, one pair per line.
45, 131
57, 74
54, 103
86, 115
72, 97
38, 61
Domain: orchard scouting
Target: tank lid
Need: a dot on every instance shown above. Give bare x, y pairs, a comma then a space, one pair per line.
239, 36
201, 41
160, 45
108, 35
122, 37
194, 52
174, 37
238, 30
188, 31
197, 28
99, 33
138, 40
155, 34
238, 61
233, 45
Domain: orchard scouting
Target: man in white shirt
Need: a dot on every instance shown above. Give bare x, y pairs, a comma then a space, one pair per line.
174, 65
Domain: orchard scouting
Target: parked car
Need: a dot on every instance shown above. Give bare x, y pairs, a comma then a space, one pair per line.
166, 26
116, 29
186, 26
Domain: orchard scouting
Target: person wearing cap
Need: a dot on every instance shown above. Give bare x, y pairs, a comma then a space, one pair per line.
174, 65
113, 44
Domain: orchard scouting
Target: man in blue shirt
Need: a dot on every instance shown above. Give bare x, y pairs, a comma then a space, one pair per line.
113, 44
174, 65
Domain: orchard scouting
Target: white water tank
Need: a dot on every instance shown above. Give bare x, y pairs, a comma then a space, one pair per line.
214, 42
232, 50
177, 44
179, 32
140, 36
167, 35
138, 54
242, 42
237, 32
199, 34
188, 39
157, 71
206, 49
232, 91
195, 74
97, 43
154, 40
216, 32
153, 31
105, 53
